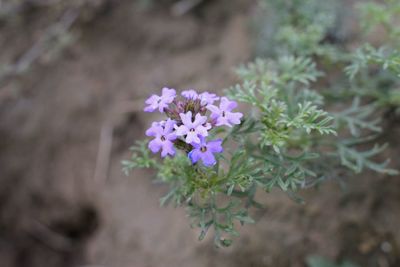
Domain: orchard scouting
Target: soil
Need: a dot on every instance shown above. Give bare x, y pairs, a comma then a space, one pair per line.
56, 210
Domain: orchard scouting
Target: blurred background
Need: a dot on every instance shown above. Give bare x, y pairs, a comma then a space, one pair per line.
73, 78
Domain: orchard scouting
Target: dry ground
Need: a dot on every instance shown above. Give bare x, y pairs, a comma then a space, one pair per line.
54, 210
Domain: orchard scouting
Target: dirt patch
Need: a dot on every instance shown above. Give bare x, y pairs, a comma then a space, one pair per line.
53, 212
50, 123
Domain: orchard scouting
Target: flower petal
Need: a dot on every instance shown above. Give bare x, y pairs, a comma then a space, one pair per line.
155, 145
199, 120
152, 99
214, 109
190, 94
208, 98
194, 155
215, 146
223, 121
168, 93
201, 130
161, 106
155, 129
234, 117
169, 126
167, 149
227, 105
192, 137
186, 118
181, 130
208, 158
171, 136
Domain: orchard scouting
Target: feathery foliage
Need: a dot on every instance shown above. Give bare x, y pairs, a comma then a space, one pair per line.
293, 136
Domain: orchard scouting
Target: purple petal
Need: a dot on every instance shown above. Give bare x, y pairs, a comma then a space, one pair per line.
155, 129
155, 145
171, 136
186, 118
190, 94
152, 99
234, 117
227, 105
148, 109
168, 93
199, 120
167, 149
181, 130
161, 106
223, 121
214, 109
192, 137
201, 130
207, 98
208, 158
169, 126
152, 103
202, 141
197, 145
195, 155
215, 146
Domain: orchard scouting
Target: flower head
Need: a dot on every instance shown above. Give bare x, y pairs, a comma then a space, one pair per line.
160, 102
205, 151
192, 129
223, 114
189, 122
164, 135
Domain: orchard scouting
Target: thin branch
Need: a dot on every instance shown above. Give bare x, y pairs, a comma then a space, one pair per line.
39, 48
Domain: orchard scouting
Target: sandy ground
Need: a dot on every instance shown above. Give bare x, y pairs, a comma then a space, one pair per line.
54, 210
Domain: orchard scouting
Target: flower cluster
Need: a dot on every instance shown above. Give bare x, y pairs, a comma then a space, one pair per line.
191, 116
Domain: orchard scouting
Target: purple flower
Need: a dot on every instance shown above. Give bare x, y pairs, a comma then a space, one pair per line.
192, 129
190, 94
160, 102
164, 135
224, 115
204, 151
208, 98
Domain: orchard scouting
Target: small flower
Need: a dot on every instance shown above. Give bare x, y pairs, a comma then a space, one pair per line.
190, 94
204, 151
192, 129
164, 135
154, 129
160, 102
207, 98
223, 114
